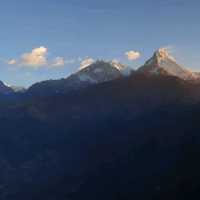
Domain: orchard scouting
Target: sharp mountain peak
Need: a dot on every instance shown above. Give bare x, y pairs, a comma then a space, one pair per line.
163, 63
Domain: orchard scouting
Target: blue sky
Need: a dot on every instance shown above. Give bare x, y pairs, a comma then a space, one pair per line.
60, 34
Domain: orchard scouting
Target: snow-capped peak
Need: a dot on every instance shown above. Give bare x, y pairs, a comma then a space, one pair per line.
6, 84
163, 63
115, 63
14, 88
163, 53
99, 71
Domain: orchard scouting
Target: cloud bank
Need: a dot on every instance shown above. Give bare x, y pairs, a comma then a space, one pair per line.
38, 58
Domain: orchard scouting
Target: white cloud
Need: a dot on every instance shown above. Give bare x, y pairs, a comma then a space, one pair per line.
86, 62
36, 58
58, 62
167, 51
169, 48
12, 62
133, 55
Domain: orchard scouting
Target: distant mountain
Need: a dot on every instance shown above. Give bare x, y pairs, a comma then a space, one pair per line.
5, 89
99, 72
18, 89
95, 73
163, 63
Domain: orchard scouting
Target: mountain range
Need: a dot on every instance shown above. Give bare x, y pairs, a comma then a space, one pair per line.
160, 63
103, 134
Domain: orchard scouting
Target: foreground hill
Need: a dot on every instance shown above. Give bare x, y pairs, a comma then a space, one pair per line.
131, 138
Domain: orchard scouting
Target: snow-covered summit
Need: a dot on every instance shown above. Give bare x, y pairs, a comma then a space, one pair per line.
100, 71
163, 62
95, 73
5, 88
